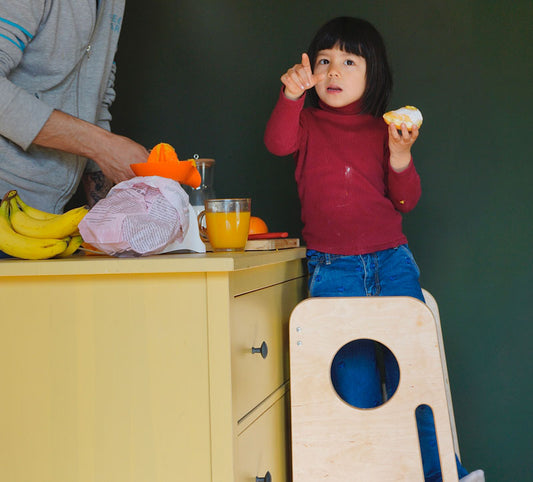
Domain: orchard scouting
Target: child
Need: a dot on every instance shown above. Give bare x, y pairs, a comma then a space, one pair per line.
355, 177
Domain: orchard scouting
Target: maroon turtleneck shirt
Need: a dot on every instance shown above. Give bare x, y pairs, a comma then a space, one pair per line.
351, 198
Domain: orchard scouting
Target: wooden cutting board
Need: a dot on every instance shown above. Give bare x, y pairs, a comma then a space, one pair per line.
267, 244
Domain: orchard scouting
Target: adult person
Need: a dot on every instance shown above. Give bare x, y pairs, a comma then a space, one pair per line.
57, 75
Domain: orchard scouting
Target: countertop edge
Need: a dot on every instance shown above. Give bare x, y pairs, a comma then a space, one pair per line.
78, 265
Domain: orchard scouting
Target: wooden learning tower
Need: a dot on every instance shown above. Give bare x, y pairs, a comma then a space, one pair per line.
334, 441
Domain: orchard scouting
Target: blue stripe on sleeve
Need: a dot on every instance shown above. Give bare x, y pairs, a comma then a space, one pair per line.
13, 24
19, 43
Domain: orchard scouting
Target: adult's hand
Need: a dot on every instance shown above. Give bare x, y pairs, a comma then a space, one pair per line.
115, 155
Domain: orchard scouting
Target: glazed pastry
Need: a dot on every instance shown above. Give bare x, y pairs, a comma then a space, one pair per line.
409, 115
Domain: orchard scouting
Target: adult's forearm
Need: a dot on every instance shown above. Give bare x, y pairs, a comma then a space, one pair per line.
70, 134
113, 153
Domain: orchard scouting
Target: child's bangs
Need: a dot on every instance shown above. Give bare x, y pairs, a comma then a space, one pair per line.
347, 41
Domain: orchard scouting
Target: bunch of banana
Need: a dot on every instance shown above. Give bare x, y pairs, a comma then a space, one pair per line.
29, 233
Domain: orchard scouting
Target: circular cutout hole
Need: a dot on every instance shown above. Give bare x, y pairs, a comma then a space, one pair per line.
365, 373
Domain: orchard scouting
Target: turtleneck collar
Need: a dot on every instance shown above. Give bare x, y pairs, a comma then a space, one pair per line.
350, 109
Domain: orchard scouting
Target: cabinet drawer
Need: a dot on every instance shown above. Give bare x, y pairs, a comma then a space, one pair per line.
264, 446
261, 317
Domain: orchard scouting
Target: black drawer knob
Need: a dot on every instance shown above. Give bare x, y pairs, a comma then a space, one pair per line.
266, 478
264, 352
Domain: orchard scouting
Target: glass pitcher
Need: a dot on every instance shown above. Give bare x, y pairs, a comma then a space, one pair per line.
206, 190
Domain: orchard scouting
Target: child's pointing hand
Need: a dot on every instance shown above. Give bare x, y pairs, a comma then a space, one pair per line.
300, 78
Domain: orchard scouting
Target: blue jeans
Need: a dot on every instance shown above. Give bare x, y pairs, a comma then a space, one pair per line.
355, 371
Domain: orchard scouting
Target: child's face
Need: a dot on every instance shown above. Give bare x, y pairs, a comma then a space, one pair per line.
345, 77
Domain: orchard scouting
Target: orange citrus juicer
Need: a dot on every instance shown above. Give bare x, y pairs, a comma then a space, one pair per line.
163, 161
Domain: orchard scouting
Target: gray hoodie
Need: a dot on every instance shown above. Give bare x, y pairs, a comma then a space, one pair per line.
54, 54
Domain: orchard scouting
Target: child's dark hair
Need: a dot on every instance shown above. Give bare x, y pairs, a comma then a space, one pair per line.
361, 38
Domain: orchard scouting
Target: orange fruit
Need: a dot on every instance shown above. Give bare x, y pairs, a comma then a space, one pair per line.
257, 226
163, 152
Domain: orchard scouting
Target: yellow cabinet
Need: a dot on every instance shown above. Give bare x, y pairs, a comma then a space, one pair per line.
147, 369
261, 447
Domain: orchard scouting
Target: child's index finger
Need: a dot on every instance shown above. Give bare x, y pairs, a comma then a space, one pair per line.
305, 61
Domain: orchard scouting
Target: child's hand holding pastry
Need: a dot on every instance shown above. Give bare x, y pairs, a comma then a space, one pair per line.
400, 146
403, 132
300, 78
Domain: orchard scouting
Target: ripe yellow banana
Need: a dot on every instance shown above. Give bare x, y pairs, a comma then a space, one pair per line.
58, 227
24, 247
72, 247
30, 210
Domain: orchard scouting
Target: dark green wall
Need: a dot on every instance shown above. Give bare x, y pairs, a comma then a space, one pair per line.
203, 75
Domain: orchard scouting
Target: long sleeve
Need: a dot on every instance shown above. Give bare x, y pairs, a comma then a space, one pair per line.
104, 114
22, 114
404, 188
282, 132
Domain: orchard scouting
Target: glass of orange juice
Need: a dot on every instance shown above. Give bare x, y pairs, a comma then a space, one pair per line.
227, 223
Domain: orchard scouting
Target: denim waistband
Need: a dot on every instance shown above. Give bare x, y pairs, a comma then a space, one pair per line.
328, 258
